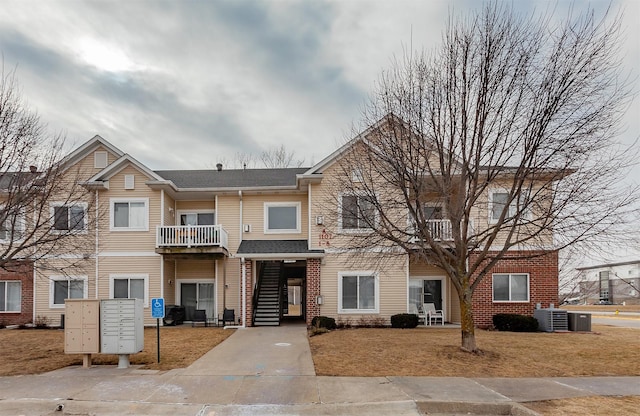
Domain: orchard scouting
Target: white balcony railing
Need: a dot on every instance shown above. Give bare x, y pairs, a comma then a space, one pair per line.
191, 236
440, 230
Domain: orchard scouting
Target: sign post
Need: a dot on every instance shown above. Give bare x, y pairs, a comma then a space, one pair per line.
157, 311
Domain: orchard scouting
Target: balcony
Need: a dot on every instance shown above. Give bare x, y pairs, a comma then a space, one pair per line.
192, 239
440, 230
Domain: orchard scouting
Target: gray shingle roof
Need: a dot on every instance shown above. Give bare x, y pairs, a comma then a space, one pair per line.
276, 247
232, 178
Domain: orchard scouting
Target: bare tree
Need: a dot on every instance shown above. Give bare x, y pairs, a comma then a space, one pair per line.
279, 157
274, 157
44, 211
509, 103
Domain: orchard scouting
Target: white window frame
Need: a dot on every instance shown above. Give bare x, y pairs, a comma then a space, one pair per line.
296, 205
52, 212
113, 277
112, 213
98, 162
5, 295
21, 227
182, 212
512, 207
510, 300
53, 279
358, 229
367, 273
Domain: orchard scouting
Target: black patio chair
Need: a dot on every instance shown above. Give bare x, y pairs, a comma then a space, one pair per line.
199, 315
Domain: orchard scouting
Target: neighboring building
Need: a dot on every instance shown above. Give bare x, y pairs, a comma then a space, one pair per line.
247, 240
613, 282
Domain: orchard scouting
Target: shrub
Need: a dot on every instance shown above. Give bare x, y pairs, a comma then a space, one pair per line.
404, 320
41, 322
514, 322
323, 322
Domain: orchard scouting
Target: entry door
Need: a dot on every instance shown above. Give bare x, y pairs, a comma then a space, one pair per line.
432, 292
197, 296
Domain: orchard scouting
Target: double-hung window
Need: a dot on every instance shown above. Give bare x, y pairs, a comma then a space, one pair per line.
69, 218
10, 295
129, 214
498, 201
130, 287
357, 212
12, 226
511, 287
282, 217
358, 292
63, 287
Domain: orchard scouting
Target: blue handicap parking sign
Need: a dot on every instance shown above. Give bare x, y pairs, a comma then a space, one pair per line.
157, 308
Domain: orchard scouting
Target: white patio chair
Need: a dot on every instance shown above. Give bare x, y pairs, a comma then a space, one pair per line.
413, 308
433, 314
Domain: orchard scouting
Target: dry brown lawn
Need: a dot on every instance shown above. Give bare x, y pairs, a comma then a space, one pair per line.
435, 352
34, 351
596, 406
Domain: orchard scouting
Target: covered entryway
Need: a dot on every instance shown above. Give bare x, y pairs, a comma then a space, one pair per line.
427, 290
279, 279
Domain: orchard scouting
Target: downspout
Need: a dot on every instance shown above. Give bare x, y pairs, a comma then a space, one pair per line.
309, 215
244, 299
97, 241
33, 265
161, 256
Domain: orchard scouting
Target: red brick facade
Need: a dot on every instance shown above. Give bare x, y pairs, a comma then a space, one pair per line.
24, 274
313, 289
543, 287
249, 290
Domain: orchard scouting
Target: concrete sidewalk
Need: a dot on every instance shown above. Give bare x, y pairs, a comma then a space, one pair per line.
269, 371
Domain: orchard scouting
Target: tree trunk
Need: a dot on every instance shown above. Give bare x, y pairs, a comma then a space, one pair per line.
467, 326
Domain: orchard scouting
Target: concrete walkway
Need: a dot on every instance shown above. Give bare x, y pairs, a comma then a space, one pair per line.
269, 371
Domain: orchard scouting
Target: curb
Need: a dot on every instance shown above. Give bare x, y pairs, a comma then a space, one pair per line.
475, 408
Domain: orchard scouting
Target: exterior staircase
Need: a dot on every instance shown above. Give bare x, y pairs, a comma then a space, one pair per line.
267, 312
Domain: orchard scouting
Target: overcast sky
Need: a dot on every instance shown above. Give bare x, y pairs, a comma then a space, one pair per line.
185, 84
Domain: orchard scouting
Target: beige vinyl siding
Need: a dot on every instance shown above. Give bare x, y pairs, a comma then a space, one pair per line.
195, 269
86, 164
134, 241
169, 211
253, 213
392, 281
233, 282
135, 266
195, 205
169, 288
43, 279
228, 215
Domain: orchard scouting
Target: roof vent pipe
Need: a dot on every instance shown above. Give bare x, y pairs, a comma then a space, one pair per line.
219, 166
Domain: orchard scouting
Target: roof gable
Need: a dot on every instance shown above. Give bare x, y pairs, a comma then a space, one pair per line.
88, 147
121, 163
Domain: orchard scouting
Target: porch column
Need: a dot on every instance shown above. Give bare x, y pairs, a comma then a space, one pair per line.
313, 289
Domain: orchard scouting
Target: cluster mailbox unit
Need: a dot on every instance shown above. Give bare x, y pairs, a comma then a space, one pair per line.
122, 328
108, 326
